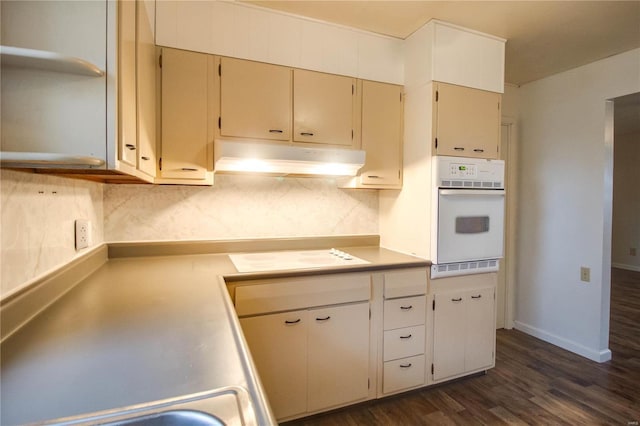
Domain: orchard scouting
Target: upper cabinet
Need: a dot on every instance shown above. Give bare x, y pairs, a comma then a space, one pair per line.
444, 52
323, 108
255, 100
73, 121
187, 111
466, 121
136, 94
381, 134
271, 102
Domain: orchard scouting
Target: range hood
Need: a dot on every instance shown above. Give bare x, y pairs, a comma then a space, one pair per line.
265, 157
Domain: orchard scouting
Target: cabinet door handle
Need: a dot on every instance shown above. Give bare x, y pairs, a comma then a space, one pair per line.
476, 297
189, 169
145, 158
275, 131
130, 146
306, 134
406, 308
459, 299
292, 322
458, 148
478, 150
324, 319
408, 336
405, 365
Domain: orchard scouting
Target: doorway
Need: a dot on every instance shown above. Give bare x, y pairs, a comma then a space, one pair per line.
625, 227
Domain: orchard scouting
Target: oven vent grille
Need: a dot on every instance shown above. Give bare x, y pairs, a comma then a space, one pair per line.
471, 184
464, 268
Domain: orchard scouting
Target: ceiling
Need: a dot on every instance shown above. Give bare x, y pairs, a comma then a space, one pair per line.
543, 37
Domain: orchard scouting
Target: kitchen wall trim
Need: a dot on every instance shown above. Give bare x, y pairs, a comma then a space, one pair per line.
20, 306
170, 248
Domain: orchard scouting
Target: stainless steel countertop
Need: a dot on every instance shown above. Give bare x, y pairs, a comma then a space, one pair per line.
139, 330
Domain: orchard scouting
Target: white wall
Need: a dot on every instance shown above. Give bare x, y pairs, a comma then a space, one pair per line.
38, 214
562, 222
238, 206
626, 201
249, 32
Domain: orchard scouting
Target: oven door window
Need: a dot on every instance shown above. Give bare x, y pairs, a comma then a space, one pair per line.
470, 225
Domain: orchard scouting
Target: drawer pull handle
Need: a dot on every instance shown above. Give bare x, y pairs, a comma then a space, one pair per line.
275, 131
459, 299
324, 319
130, 146
458, 148
306, 134
476, 297
373, 177
408, 336
145, 158
189, 169
478, 150
406, 308
292, 322
405, 365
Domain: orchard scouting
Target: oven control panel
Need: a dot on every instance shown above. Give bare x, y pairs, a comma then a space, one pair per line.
460, 172
463, 170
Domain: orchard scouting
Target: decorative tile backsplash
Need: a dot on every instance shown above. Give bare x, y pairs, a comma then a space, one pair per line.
238, 206
37, 227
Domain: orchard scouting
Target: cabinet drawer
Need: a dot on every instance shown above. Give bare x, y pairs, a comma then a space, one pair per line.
410, 282
404, 312
403, 342
403, 373
286, 294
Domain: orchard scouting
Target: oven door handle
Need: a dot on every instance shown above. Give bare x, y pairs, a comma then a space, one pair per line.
498, 192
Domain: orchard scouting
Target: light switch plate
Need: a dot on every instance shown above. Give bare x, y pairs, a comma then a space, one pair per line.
585, 274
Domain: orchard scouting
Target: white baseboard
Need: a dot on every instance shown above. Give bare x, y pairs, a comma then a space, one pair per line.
570, 345
627, 267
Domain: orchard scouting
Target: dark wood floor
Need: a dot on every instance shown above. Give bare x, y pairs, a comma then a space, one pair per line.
533, 382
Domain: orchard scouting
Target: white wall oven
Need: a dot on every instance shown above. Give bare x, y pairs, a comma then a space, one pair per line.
468, 215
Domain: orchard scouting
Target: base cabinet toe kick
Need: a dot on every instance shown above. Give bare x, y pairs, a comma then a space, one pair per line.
327, 341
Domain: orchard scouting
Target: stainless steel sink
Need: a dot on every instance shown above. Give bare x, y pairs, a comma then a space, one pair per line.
171, 418
226, 406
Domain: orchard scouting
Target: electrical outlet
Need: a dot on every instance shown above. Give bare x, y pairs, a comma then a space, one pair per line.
82, 233
632, 251
585, 274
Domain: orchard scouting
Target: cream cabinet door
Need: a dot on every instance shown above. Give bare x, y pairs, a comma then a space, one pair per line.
146, 87
127, 73
186, 80
338, 355
255, 100
449, 325
381, 133
480, 333
323, 108
467, 121
278, 346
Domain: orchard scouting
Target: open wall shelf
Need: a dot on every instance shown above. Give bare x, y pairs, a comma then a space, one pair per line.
48, 61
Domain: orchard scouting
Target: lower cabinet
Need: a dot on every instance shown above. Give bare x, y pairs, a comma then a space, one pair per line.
278, 344
338, 356
463, 332
326, 341
312, 359
404, 332
309, 338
